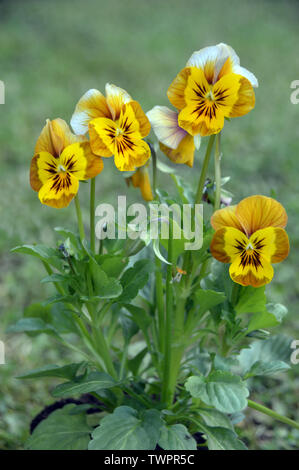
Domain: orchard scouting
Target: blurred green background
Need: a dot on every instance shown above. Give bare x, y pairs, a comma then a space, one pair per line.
51, 53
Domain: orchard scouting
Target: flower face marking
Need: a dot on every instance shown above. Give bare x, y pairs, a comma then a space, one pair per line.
211, 87
116, 124
250, 254
61, 159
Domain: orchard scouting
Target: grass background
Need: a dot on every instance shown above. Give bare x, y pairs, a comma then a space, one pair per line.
51, 53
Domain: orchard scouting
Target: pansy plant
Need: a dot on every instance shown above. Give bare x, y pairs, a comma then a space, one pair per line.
168, 336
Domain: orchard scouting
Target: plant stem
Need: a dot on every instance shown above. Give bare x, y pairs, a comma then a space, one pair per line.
204, 170
92, 213
79, 218
160, 304
273, 414
166, 391
217, 201
101, 344
154, 159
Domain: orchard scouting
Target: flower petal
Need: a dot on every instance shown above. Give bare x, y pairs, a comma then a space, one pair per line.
59, 190
245, 101
55, 136
140, 179
176, 90
48, 141
164, 122
43, 167
250, 275
226, 218
116, 97
102, 133
90, 106
79, 160
184, 153
257, 212
215, 61
245, 73
225, 244
140, 116
128, 159
272, 243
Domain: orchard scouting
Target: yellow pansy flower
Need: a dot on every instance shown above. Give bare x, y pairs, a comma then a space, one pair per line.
174, 141
251, 236
140, 179
116, 124
211, 87
60, 160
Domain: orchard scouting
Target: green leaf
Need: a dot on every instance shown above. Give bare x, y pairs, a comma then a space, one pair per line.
136, 361
112, 265
222, 439
129, 327
268, 356
207, 299
38, 310
176, 437
42, 252
225, 363
251, 300
134, 279
62, 430
31, 325
65, 372
71, 236
140, 317
215, 418
223, 390
266, 368
56, 277
57, 298
91, 383
62, 319
271, 316
126, 429
104, 287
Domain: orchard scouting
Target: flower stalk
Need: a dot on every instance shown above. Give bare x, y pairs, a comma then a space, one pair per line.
203, 174
217, 201
79, 218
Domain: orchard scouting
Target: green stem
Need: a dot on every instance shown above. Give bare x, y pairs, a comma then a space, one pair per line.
138, 397
217, 201
79, 218
92, 213
160, 304
101, 344
166, 391
154, 159
204, 170
123, 360
273, 414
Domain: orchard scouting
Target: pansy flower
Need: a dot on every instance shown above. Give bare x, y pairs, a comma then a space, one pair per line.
116, 124
140, 179
61, 159
211, 87
251, 236
174, 141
